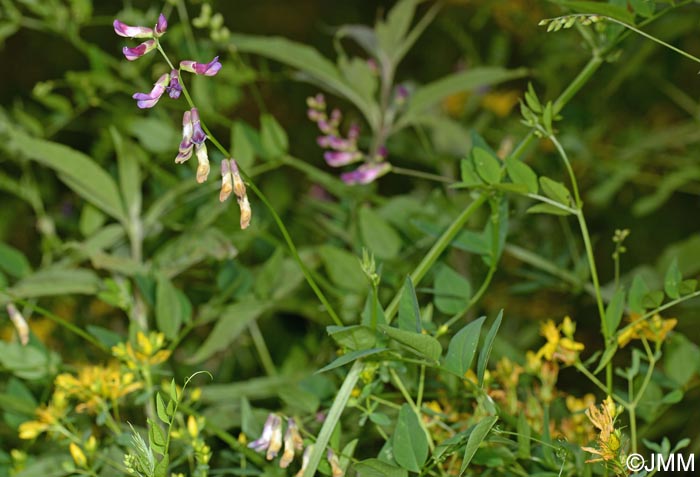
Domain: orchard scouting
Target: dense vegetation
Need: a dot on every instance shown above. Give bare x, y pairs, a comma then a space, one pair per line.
352, 238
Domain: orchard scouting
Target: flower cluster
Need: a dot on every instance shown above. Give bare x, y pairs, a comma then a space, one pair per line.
193, 135
558, 347
169, 82
97, 387
148, 350
343, 150
609, 441
271, 442
47, 417
654, 329
231, 182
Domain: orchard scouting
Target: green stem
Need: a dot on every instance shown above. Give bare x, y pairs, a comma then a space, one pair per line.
632, 411
278, 221
416, 410
332, 418
421, 175
659, 309
436, 250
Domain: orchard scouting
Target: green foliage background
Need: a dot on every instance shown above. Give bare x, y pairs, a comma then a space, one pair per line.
102, 234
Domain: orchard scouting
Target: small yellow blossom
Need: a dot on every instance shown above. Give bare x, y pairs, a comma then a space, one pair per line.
78, 456
46, 417
147, 352
558, 347
192, 427
608, 442
654, 329
95, 386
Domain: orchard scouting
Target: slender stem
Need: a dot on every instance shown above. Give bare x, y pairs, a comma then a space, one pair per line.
632, 411
421, 386
578, 82
654, 39
659, 309
278, 221
436, 250
332, 418
421, 175
553, 203
416, 410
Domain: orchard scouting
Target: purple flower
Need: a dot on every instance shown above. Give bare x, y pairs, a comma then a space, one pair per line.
148, 100
314, 114
174, 88
366, 173
122, 29
161, 26
186, 145
335, 142
198, 134
206, 69
132, 54
341, 158
271, 438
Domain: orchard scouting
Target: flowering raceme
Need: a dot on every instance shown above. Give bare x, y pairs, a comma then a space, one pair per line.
343, 150
193, 135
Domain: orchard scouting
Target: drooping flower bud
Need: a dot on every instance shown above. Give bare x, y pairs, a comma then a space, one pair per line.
137, 52
238, 184
20, 323
186, 145
305, 460
246, 212
226, 180
206, 69
122, 29
148, 100
336, 470
200, 150
292, 443
198, 134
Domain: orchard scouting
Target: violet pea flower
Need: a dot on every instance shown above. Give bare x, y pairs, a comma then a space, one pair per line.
186, 145
341, 158
136, 52
174, 88
122, 29
148, 100
161, 26
206, 69
366, 173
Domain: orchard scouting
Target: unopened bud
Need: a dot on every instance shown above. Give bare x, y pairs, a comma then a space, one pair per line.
20, 324
246, 212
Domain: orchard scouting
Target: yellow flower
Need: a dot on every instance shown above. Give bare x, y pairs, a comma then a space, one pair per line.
654, 329
95, 386
147, 352
563, 348
78, 456
46, 417
609, 438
